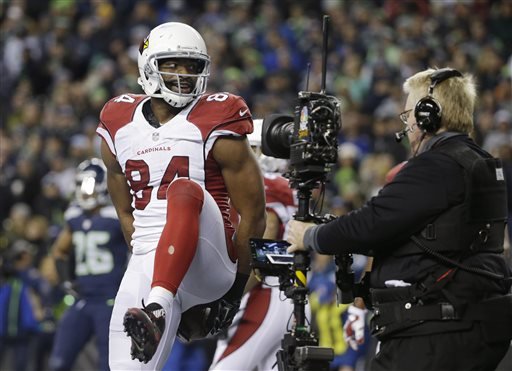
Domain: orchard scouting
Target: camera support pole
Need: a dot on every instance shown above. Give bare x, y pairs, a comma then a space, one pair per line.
301, 262
300, 350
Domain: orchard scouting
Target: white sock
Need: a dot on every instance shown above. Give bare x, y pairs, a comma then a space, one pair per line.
161, 296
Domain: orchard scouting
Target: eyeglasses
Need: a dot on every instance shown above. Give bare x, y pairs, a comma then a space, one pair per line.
404, 116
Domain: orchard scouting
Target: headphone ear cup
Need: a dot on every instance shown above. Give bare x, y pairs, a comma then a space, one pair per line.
428, 114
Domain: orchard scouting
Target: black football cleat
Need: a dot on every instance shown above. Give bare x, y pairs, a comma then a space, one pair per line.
145, 330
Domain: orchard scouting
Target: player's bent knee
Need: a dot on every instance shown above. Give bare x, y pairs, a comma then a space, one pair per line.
183, 186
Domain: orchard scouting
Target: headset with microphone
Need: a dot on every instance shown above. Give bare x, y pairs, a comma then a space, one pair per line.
402, 134
428, 111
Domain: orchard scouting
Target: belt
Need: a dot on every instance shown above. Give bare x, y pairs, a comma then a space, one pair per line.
397, 314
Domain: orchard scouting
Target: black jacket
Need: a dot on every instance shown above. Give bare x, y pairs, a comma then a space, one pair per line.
427, 185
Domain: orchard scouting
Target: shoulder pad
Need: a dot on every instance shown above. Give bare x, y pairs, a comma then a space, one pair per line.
221, 111
119, 111
108, 212
277, 189
72, 212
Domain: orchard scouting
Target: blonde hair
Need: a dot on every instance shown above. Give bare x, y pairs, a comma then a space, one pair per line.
456, 96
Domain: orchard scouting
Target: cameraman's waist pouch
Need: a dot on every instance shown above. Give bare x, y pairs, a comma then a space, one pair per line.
398, 313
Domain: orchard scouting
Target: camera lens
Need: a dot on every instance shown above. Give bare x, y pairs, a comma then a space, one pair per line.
277, 135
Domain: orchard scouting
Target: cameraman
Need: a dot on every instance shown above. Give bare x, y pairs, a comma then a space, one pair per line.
439, 283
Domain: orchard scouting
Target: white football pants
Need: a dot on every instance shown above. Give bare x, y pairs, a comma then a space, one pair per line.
210, 276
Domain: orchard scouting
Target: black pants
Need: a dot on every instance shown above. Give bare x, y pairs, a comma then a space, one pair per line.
465, 350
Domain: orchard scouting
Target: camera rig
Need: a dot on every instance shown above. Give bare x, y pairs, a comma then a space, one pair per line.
299, 347
309, 141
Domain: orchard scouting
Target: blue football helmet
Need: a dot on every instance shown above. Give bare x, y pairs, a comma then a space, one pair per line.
91, 184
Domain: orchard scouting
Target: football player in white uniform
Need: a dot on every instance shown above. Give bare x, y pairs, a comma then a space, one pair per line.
176, 158
265, 314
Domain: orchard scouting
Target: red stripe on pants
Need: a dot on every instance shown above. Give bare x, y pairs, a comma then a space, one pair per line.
255, 311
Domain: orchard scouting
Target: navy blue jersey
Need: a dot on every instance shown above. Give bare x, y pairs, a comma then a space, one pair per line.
99, 250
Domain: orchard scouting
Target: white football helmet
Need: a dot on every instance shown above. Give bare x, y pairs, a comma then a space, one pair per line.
172, 40
267, 164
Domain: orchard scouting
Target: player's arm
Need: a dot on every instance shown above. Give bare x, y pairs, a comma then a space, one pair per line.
54, 267
119, 192
63, 244
272, 226
244, 183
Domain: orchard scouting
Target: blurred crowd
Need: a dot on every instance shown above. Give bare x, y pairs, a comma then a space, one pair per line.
63, 59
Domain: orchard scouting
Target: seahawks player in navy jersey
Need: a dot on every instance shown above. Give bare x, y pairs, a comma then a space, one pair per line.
93, 242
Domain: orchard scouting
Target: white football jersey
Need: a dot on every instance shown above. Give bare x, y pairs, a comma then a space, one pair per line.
151, 158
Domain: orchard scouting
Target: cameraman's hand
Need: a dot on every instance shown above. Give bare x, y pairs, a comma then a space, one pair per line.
296, 232
353, 330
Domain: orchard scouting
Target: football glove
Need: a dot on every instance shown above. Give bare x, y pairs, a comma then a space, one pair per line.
210, 319
222, 315
353, 330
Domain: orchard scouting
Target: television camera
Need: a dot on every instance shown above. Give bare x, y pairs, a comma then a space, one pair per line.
309, 140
